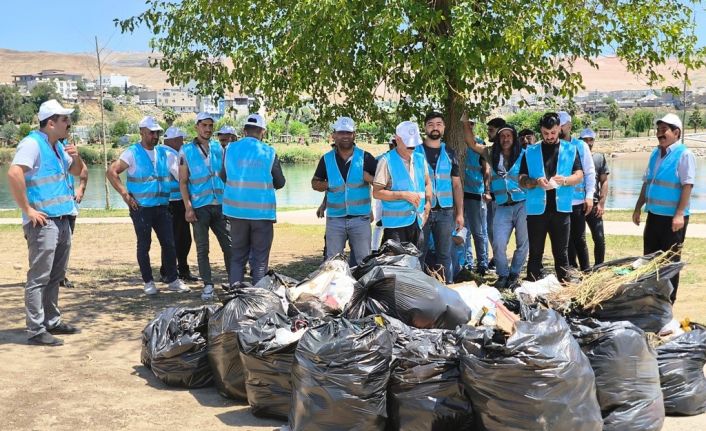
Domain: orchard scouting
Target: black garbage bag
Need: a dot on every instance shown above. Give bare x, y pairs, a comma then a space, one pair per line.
538, 380
267, 352
627, 377
425, 391
174, 346
645, 303
244, 307
340, 376
392, 253
409, 295
681, 369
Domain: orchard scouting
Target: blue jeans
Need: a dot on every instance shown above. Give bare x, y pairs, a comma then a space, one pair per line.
441, 224
489, 222
506, 219
354, 229
475, 216
159, 219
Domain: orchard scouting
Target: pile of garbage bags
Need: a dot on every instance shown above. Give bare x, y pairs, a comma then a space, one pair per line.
383, 346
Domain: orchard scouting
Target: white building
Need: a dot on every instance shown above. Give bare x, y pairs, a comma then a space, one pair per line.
115, 81
179, 100
66, 83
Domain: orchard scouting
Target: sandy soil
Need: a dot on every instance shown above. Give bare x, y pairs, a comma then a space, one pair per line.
95, 381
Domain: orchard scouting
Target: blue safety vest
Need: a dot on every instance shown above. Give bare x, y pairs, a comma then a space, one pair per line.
48, 189
173, 183
400, 213
249, 192
663, 185
580, 188
352, 196
205, 184
149, 184
508, 185
473, 175
537, 197
442, 187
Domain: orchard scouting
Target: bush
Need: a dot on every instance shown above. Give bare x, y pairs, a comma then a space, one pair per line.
298, 154
297, 128
108, 105
25, 129
525, 119
119, 128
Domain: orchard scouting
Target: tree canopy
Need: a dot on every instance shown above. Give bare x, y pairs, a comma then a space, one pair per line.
348, 57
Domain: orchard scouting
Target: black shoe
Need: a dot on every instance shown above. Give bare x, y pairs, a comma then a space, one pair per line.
67, 284
189, 277
513, 281
491, 264
64, 328
482, 271
501, 283
45, 339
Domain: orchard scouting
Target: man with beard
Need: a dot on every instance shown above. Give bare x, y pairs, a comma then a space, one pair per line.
666, 192
402, 184
493, 125
505, 158
147, 197
345, 174
549, 171
527, 137
202, 190
595, 218
37, 179
226, 135
582, 202
447, 194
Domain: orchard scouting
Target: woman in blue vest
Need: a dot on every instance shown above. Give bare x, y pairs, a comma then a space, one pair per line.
505, 158
666, 192
345, 174
252, 173
549, 171
202, 191
402, 184
39, 181
147, 197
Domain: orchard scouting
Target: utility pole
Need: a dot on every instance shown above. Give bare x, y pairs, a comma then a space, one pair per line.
683, 113
105, 149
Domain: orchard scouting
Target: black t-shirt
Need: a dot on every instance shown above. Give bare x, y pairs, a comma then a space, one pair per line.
369, 166
433, 154
601, 169
550, 156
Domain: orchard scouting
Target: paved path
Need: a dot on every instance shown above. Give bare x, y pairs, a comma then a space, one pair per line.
308, 217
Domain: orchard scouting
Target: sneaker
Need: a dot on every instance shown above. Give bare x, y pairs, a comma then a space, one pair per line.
207, 293
501, 283
45, 339
64, 328
178, 286
150, 288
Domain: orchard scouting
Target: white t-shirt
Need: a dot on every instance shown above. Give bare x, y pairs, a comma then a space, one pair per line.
172, 161
207, 156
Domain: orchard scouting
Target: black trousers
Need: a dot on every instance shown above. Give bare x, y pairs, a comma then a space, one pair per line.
411, 233
595, 224
250, 240
658, 236
182, 236
557, 225
577, 239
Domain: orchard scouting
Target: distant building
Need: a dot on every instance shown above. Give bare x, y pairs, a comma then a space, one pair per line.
177, 99
66, 83
114, 81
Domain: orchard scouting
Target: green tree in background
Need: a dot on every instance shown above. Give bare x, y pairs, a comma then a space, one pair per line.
42, 92
25, 128
115, 91
348, 57
170, 116
613, 113
695, 119
27, 113
9, 132
525, 119
76, 115
80, 85
10, 102
642, 120
119, 128
109, 105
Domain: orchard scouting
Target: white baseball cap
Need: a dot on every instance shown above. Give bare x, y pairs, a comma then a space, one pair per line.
52, 107
409, 132
672, 120
150, 123
564, 117
256, 120
587, 133
204, 116
344, 124
226, 130
174, 132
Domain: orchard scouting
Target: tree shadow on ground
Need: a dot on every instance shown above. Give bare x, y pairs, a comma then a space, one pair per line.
300, 268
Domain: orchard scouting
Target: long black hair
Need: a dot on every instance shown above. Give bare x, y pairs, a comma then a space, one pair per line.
514, 151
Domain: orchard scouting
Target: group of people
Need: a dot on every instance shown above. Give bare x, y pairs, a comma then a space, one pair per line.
416, 192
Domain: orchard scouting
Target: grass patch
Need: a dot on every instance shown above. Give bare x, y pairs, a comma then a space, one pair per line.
626, 215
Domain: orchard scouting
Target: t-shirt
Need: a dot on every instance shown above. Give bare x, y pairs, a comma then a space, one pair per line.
433, 154
28, 155
550, 156
686, 167
369, 166
128, 156
485, 157
205, 153
601, 165
382, 174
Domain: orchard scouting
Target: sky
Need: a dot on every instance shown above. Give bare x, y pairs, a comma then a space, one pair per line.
71, 25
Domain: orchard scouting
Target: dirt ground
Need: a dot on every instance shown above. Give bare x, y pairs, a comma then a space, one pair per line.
95, 381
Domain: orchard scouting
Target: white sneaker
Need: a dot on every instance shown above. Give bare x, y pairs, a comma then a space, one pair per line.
207, 293
150, 288
178, 286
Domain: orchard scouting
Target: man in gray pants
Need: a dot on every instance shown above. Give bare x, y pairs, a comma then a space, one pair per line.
38, 182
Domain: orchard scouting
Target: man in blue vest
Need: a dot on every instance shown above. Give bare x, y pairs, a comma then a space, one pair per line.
594, 220
345, 174
38, 182
666, 192
447, 194
549, 171
402, 184
493, 126
226, 135
505, 158
252, 173
582, 202
200, 165
173, 141
148, 167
